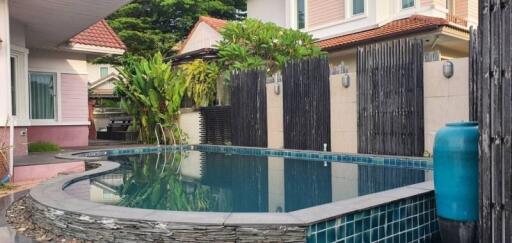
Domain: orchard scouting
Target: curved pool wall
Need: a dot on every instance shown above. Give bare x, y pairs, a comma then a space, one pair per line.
402, 214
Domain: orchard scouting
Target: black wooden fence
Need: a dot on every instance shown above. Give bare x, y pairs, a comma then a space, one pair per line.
306, 104
473, 76
494, 82
215, 125
249, 108
390, 98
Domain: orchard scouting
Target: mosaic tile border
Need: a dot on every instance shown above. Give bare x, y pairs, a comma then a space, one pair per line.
412, 219
392, 161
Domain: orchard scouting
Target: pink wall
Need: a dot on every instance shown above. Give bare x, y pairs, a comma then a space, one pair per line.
325, 11
64, 136
20, 141
74, 97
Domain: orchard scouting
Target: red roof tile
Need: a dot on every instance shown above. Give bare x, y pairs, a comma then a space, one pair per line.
99, 34
217, 24
413, 24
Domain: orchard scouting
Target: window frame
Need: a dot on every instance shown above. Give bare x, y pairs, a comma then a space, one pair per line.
409, 7
56, 95
101, 71
352, 14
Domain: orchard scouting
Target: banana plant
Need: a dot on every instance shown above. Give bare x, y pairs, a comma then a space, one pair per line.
151, 92
201, 77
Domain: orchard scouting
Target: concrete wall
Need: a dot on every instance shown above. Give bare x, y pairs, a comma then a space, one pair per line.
446, 100
64, 136
344, 115
275, 117
189, 123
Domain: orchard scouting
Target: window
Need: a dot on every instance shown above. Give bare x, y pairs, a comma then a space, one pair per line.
357, 7
42, 95
103, 72
13, 85
407, 3
301, 14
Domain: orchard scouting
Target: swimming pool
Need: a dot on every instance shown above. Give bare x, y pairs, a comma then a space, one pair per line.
202, 193
195, 179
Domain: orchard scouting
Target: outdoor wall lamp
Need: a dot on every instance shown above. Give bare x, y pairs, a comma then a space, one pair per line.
345, 80
448, 69
277, 88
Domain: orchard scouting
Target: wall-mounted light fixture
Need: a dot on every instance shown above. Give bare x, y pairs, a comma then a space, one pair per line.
278, 79
448, 69
345, 80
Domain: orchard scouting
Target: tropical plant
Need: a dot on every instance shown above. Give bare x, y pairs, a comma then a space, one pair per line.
253, 44
151, 92
201, 81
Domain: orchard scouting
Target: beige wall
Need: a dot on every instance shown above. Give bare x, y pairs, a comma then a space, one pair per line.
446, 100
203, 36
93, 71
189, 123
275, 11
343, 115
275, 117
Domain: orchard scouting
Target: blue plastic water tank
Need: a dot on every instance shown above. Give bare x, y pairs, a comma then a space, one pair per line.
456, 171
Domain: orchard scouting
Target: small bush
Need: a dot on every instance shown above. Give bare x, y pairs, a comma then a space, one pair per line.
43, 147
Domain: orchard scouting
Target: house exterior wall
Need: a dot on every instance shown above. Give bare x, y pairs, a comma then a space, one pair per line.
93, 71
203, 36
276, 11
327, 18
5, 93
64, 136
74, 97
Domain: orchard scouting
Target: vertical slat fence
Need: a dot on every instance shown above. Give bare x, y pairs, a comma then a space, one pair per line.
215, 125
390, 98
494, 84
306, 104
249, 108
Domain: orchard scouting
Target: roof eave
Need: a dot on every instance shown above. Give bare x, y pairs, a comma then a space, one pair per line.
77, 47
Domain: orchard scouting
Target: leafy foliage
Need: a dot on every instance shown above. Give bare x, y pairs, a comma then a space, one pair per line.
201, 80
151, 92
150, 26
42, 146
253, 44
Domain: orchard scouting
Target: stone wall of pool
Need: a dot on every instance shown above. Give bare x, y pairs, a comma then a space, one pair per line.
399, 215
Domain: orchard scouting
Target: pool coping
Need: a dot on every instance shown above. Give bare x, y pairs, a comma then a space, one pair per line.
51, 194
354, 158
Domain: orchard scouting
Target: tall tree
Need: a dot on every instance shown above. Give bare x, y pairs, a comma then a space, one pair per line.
150, 26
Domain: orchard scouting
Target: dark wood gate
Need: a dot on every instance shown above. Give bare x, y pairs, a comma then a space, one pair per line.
390, 98
215, 125
306, 104
494, 72
249, 108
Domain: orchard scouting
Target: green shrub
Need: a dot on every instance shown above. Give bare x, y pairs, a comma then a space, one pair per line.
36, 147
253, 44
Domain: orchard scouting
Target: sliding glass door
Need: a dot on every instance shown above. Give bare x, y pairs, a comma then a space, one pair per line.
42, 95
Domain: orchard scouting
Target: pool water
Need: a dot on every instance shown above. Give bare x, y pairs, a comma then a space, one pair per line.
218, 182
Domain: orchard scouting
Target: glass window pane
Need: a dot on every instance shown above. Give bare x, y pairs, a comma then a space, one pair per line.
103, 71
42, 99
301, 14
357, 7
13, 85
407, 3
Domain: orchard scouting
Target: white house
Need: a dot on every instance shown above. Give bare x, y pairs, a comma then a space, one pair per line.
44, 47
